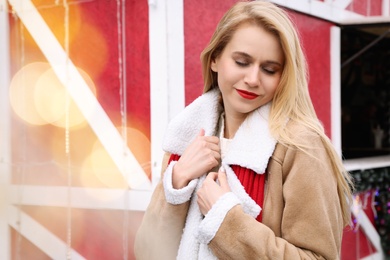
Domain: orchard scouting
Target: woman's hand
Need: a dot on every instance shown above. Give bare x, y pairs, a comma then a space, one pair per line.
211, 191
200, 157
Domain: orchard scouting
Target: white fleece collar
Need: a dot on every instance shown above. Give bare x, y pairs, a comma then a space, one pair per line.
251, 147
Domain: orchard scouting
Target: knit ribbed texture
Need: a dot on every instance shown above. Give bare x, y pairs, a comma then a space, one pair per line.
252, 182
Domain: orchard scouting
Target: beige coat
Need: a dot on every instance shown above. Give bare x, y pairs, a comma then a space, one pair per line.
301, 213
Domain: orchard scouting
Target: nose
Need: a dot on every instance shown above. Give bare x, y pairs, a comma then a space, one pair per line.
252, 76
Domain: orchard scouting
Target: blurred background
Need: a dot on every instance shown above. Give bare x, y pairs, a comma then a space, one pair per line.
87, 88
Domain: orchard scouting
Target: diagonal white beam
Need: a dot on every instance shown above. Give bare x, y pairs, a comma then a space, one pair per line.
83, 198
69, 76
51, 245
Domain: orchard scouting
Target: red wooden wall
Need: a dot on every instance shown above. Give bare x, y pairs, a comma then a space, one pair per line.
98, 234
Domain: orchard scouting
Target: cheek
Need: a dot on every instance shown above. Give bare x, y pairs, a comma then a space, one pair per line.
228, 74
223, 76
271, 84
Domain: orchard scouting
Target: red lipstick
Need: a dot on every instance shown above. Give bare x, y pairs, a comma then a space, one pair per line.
246, 94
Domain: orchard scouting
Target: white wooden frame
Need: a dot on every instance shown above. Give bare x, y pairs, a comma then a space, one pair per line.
5, 146
335, 10
355, 164
167, 99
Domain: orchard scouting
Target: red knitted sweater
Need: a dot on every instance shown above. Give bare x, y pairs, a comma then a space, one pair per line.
250, 180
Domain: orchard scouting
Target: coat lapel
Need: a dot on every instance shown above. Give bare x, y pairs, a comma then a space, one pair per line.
251, 147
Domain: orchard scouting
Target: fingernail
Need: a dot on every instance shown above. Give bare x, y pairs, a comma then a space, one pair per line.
221, 169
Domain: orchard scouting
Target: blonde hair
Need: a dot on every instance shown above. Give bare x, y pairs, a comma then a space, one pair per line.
291, 99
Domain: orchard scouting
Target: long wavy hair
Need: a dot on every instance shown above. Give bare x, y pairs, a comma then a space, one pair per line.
291, 100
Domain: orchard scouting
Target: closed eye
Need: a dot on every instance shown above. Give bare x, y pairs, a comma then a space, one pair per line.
242, 63
269, 71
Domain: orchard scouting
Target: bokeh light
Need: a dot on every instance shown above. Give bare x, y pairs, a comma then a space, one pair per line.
90, 50
140, 146
54, 16
105, 170
53, 102
22, 89
38, 97
100, 170
81, 141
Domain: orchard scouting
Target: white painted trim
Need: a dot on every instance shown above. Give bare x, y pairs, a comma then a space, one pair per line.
166, 46
175, 31
37, 234
367, 163
159, 99
70, 77
366, 20
335, 11
5, 128
351, 164
83, 198
385, 7
335, 87
323, 10
342, 4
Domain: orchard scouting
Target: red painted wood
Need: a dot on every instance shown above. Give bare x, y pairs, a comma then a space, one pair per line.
366, 7
318, 58
99, 234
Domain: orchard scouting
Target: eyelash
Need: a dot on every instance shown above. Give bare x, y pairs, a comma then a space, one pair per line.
244, 64
270, 72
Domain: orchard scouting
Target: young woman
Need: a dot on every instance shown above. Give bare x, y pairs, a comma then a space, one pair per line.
248, 171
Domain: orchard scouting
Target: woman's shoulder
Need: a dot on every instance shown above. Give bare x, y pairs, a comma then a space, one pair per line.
298, 137
301, 132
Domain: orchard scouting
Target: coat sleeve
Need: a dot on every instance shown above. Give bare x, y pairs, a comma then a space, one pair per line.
310, 225
159, 234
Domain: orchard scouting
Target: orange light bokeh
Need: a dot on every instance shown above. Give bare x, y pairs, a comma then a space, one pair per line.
54, 16
53, 101
22, 89
100, 170
90, 50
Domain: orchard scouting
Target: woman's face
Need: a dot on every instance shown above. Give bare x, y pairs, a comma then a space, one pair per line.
249, 69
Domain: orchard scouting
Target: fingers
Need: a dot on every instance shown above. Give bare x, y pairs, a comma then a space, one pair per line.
222, 179
210, 143
202, 155
212, 175
214, 186
208, 139
201, 132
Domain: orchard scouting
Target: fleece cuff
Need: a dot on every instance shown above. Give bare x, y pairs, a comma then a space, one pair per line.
177, 196
214, 218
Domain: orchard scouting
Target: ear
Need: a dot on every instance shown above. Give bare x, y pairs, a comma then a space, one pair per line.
213, 65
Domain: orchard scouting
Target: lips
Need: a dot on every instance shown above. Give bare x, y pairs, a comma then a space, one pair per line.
246, 94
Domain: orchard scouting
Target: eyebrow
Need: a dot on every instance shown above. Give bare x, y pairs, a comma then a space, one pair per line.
246, 55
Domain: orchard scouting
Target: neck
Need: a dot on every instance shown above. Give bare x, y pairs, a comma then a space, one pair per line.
232, 123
